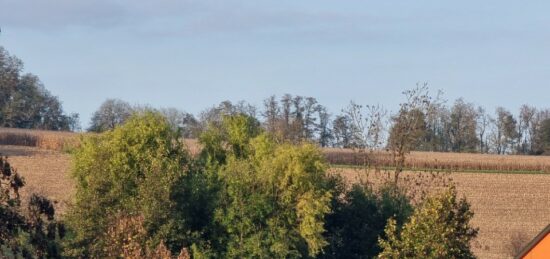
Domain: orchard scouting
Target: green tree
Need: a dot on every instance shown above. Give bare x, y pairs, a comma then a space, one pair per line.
25, 102
272, 198
438, 228
136, 169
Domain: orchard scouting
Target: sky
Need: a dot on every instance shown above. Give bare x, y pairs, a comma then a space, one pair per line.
192, 55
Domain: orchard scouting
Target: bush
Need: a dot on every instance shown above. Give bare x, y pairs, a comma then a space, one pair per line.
438, 228
358, 218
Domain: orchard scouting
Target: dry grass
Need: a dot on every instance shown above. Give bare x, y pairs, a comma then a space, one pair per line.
440, 160
509, 208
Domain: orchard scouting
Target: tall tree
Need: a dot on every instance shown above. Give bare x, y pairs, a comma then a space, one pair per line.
483, 122
271, 114
544, 137
324, 128
463, 127
272, 197
437, 136
536, 131
526, 116
25, 102
505, 132
342, 132
409, 124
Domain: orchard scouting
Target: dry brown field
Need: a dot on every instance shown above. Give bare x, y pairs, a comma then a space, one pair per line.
45, 172
509, 203
56, 140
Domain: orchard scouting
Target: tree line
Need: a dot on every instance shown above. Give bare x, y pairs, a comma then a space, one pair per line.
26, 103
459, 127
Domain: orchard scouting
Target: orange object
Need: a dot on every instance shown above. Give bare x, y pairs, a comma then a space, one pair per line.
538, 248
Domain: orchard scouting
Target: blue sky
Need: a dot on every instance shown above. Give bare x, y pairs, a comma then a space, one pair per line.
194, 54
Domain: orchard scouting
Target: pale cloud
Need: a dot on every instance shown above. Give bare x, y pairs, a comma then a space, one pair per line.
171, 17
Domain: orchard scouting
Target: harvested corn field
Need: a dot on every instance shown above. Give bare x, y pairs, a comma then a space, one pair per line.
51, 140
442, 161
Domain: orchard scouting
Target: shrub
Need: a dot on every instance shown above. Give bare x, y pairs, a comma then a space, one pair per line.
438, 228
358, 218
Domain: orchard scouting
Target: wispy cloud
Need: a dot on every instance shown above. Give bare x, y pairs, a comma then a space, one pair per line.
197, 18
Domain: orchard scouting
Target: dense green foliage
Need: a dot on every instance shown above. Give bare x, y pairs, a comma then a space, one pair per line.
272, 198
134, 169
438, 228
246, 195
25, 103
358, 219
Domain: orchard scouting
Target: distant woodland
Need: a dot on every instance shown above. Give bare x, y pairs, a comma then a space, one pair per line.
439, 125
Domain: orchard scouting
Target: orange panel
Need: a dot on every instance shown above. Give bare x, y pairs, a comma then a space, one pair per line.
541, 250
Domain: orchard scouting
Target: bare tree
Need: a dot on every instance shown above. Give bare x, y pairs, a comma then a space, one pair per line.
483, 121
526, 115
409, 124
366, 125
187, 125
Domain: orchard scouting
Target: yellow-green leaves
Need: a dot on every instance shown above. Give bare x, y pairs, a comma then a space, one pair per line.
311, 210
129, 170
439, 228
273, 197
